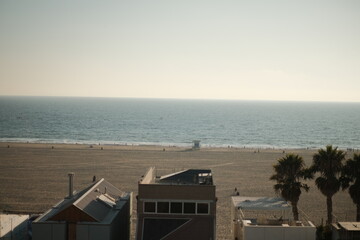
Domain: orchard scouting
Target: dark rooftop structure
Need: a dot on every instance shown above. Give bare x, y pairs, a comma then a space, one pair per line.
190, 176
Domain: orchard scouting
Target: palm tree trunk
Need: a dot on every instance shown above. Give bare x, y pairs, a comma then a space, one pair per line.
295, 211
329, 209
358, 212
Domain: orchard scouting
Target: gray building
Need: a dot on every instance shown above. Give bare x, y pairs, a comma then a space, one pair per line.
181, 205
100, 211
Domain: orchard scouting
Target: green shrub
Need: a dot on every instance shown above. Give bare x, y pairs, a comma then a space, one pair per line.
323, 232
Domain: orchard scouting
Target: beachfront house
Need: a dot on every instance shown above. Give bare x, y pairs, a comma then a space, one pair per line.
181, 205
98, 212
266, 218
346, 230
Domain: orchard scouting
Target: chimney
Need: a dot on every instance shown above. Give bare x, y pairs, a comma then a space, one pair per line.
71, 184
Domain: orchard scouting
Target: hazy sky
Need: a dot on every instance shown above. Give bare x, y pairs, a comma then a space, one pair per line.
211, 49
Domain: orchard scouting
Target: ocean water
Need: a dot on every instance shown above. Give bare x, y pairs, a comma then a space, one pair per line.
215, 123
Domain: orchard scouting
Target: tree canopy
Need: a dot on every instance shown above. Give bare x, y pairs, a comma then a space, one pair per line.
288, 174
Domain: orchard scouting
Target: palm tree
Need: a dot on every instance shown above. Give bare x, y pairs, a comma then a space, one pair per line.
288, 172
328, 162
351, 174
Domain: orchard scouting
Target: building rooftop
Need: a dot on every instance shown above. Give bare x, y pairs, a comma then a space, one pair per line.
190, 176
348, 226
262, 211
99, 202
260, 203
185, 177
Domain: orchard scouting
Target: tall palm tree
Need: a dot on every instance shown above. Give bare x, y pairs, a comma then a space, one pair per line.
288, 174
351, 174
328, 163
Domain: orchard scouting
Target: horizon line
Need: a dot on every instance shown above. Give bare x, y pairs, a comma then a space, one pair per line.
185, 99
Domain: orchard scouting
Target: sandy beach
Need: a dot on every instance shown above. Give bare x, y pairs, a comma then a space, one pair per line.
33, 177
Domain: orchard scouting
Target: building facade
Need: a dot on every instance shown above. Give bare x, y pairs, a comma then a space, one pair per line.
180, 205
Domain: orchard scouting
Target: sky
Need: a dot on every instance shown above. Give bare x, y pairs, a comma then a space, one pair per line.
283, 50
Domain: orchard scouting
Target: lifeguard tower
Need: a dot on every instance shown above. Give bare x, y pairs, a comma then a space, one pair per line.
196, 144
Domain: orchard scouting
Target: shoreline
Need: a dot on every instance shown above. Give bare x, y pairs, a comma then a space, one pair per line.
166, 146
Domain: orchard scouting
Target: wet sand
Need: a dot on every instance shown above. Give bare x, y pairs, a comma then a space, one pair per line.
33, 177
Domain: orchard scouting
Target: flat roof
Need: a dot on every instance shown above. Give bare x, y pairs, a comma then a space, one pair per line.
350, 226
190, 176
260, 203
184, 177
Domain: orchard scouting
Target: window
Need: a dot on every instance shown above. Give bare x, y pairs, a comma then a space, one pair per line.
163, 207
149, 207
202, 208
189, 207
176, 207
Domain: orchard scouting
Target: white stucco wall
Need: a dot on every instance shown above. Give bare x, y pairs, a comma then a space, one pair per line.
279, 233
13, 226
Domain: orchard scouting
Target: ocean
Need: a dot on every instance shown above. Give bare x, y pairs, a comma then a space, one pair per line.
166, 122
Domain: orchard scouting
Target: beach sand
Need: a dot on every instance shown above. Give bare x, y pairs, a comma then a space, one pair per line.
33, 177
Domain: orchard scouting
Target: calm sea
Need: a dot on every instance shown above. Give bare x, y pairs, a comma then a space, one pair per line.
179, 122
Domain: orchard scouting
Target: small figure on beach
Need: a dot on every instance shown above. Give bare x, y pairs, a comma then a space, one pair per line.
94, 178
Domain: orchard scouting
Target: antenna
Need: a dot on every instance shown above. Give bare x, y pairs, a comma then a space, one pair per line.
71, 184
